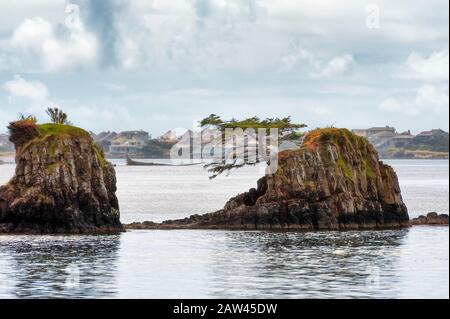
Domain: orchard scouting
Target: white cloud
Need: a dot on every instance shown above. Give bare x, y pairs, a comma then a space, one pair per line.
432, 98
38, 45
428, 98
300, 59
33, 91
340, 65
296, 58
432, 67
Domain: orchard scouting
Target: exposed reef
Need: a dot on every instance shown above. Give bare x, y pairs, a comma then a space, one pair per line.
335, 181
432, 219
62, 183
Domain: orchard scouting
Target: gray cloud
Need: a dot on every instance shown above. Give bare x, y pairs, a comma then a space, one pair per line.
101, 18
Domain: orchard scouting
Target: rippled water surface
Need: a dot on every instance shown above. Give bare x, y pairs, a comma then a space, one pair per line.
226, 264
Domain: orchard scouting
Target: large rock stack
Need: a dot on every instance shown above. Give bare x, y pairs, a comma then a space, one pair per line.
335, 181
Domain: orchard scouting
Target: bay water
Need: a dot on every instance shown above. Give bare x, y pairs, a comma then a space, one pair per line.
232, 264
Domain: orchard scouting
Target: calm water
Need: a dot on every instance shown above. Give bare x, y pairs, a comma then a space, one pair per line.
225, 264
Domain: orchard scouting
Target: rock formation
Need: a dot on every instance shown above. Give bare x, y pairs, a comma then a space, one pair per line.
432, 219
335, 181
62, 183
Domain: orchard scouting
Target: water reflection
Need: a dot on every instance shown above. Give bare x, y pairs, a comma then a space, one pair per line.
308, 265
58, 267
410, 263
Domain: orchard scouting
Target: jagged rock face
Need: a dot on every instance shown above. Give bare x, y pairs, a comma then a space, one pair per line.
334, 182
62, 184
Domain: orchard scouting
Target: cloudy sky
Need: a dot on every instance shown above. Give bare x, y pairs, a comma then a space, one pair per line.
162, 64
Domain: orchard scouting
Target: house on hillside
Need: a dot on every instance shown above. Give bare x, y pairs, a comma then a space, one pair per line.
104, 140
374, 130
129, 142
168, 137
433, 134
434, 140
401, 140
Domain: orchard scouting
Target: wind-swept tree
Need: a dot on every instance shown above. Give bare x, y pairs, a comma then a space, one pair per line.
236, 158
57, 116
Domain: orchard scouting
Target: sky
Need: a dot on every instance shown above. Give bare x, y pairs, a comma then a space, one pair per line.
164, 64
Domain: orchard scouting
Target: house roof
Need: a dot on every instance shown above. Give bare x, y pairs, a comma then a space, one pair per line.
169, 135
380, 128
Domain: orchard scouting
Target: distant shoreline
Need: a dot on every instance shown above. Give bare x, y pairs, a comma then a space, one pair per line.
7, 154
440, 156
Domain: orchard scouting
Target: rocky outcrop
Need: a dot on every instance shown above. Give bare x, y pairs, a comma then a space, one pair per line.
62, 183
334, 182
432, 219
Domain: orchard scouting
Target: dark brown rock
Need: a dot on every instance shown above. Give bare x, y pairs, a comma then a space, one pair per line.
62, 184
334, 182
432, 219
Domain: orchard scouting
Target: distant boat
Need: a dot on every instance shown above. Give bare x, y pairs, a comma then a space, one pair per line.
131, 162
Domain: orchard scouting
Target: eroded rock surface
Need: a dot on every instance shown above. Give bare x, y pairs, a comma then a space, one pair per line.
62, 183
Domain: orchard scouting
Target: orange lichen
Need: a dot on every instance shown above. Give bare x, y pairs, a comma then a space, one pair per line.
285, 154
331, 135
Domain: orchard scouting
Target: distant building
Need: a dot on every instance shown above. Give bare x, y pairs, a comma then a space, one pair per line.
428, 135
104, 140
434, 140
168, 137
5, 144
374, 130
129, 142
385, 137
400, 140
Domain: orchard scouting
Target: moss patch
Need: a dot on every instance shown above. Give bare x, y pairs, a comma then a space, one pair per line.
100, 154
53, 167
368, 169
345, 168
61, 130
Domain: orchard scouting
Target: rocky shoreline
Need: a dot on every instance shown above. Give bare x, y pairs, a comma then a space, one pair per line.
432, 219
